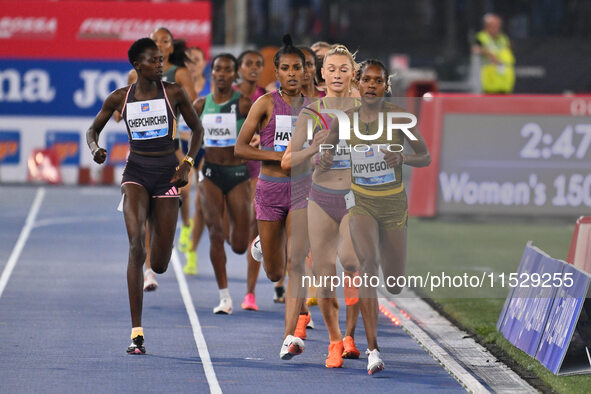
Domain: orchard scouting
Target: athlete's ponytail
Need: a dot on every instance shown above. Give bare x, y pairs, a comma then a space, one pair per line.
179, 57
288, 49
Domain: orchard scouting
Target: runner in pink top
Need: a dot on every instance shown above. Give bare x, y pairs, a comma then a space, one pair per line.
272, 113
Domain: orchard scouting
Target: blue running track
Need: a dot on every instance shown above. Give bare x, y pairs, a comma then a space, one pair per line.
64, 317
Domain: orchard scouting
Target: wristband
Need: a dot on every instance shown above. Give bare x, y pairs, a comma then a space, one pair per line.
189, 160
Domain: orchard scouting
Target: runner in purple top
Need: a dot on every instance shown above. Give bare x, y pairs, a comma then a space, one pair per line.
273, 114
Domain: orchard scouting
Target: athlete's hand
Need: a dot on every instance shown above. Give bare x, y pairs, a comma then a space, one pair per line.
255, 141
319, 138
393, 159
181, 176
99, 155
324, 161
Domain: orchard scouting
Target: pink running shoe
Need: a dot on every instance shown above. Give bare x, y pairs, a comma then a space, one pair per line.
250, 303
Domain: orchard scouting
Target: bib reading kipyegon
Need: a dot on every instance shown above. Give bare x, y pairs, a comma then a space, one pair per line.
370, 168
147, 119
220, 129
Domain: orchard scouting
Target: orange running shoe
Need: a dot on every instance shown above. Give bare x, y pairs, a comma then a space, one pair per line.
335, 358
350, 350
303, 321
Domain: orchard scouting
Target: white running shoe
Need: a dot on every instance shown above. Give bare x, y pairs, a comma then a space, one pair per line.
374, 362
310, 324
150, 283
292, 346
255, 249
225, 307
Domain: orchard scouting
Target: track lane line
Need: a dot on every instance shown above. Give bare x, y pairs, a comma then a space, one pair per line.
214, 386
22, 239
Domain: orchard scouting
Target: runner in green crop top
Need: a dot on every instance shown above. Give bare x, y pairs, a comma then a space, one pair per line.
225, 186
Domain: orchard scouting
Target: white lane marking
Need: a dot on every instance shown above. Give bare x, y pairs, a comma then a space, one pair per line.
214, 386
22, 239
74, 219
464, 377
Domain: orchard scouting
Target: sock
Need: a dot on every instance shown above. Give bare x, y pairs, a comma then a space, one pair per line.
224, 293
304, 313
135, 331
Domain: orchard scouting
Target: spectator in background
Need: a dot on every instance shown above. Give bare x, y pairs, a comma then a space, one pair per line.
497, 72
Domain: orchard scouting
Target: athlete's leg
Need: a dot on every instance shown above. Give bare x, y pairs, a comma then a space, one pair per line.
297, 249
254, 266
350, 264
273, 245
365, 236
324, 239
150, 282
164, 212
238, 208
212, 201
393, 252
136, 205
190, 267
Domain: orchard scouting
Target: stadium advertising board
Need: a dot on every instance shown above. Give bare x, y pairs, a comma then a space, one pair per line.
60, 60
505, 155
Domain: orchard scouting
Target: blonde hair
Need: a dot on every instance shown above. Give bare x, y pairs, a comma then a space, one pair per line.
341, 50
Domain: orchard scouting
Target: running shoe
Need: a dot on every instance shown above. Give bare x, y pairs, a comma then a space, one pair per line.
292, 346
335, 355
310, 324
255, 249
350, 348
303, 321
279, 296
224, 308
190, 267
374, 362
185, 237
150, 283
312, 301
250, 303
137, 345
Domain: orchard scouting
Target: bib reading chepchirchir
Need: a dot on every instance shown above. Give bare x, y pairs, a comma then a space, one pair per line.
147, 119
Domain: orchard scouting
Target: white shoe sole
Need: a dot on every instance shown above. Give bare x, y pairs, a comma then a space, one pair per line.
295, 348
376, 367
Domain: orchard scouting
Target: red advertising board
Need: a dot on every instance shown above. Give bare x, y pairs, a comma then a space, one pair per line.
93, 29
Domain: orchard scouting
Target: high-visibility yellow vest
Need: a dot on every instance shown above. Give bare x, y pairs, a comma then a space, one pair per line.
497, 78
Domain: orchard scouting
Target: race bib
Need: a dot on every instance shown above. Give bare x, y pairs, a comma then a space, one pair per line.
342, 156
220, 129
147, 119
284, 126
370, 169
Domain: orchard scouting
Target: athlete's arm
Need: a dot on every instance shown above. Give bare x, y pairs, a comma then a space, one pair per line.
182, 102
421, 156
198, 105
110, 105
331, 141
131, 78
244, 105
294, 155
183, 78
243, 149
